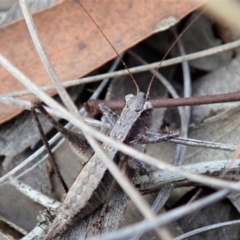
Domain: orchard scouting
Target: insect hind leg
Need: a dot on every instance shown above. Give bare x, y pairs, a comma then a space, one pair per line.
38, 105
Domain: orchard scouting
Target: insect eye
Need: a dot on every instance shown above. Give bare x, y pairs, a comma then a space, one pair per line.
147, 105
128, 97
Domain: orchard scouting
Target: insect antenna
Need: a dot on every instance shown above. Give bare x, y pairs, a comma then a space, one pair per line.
124, 64
171, 47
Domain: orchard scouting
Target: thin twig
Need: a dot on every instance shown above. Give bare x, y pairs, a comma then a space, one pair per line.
27, 105
123, 181
44, 58
143, 68
27, 161
189, 142
205, 144
101, 137
165, 218
41, 229
184, 113
207, 228
165, 191
186, 141
93, 108
43, 159
47, 147
163, 80
36, 196
161, 178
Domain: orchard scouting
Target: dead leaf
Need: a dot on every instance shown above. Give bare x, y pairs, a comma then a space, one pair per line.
222, 80
73, 43
200, 37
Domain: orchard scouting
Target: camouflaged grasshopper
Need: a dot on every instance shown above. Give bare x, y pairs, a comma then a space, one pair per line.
91, 187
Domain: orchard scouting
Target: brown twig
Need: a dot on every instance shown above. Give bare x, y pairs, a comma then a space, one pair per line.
93, 108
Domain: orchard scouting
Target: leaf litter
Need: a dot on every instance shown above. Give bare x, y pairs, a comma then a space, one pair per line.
216, 123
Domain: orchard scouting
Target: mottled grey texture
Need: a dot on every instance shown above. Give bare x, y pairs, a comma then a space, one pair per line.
82, 198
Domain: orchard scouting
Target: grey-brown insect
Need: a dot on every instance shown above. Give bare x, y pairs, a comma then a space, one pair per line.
89, 191
91, 187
